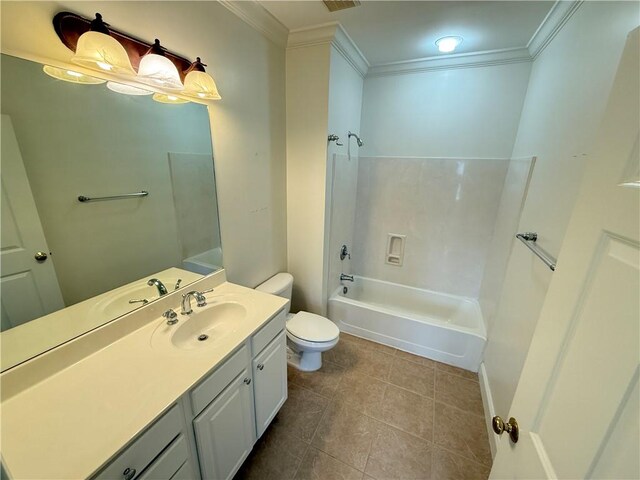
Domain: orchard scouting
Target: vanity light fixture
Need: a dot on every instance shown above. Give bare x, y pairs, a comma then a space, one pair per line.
169, 98
97, 49
157, 70
199, 83
127, 89
71, 76
101, 48
448, 44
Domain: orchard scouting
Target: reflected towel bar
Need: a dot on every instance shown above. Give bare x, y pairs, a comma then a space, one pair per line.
529, 239
84, 199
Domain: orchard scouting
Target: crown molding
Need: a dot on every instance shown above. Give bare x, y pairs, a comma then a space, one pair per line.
330, 34
448, 62
344, 44
258, 17
557, 17
254, 14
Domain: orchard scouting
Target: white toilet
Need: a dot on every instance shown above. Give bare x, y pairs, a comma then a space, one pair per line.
308, 334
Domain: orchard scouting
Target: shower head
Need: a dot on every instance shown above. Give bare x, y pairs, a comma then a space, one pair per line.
360, 142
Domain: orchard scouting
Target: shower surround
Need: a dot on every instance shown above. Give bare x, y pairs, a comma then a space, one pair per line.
446, 207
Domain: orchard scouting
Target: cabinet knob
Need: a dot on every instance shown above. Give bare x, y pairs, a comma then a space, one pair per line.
260, 366
129, 473
247, 381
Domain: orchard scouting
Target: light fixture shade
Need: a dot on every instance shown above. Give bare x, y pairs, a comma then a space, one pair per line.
100, 51
127, 89
200, 85
448, 44
168, 98
157, 70
71, 76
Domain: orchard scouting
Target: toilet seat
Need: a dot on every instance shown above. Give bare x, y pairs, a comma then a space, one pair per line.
310, 327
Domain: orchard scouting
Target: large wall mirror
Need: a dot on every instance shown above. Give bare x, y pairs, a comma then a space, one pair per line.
67, 265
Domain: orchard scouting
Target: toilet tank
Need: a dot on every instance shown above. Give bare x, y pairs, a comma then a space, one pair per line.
281, 285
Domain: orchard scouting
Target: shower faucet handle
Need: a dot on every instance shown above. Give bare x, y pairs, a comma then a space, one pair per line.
344, 253
335, 138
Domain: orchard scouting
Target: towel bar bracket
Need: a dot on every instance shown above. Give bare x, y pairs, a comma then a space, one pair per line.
529, 239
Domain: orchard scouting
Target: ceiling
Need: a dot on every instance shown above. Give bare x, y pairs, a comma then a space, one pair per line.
395, 31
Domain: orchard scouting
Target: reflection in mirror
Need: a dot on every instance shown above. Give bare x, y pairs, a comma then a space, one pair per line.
61, 141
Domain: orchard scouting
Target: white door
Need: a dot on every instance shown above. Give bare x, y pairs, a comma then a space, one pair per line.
225, 430
29, 287
577, 401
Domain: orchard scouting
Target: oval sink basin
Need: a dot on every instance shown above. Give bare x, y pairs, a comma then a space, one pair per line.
203, 328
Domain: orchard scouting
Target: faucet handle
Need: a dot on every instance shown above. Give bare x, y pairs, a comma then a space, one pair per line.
171, 316
143, 301
177, 285
201, 300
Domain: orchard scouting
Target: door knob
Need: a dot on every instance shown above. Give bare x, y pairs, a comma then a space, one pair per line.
40, 256
511, 427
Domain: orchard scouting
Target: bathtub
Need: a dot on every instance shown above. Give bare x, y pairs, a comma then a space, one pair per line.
442, 327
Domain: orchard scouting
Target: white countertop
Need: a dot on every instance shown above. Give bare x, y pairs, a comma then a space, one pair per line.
69, 424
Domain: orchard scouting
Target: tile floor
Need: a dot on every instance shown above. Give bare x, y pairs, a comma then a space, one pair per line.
374, 412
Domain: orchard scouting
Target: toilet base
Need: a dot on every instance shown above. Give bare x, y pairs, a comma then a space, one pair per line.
304, 361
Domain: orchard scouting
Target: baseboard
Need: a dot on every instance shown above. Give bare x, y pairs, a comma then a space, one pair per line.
489, 410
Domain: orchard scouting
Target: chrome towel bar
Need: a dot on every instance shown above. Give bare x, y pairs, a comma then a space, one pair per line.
529, 239
84, 199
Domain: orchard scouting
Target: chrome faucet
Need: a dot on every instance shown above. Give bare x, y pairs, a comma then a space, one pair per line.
344, 277
201, 300
162, 290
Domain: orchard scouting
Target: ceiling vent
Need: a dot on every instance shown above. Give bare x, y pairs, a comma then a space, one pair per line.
335, 5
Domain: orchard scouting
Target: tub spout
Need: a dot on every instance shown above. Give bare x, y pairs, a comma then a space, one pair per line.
344, 277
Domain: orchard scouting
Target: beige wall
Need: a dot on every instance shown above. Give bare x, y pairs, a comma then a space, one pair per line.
247, 124
307, 120
567, 92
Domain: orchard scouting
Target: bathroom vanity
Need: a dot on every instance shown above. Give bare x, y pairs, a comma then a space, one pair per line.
140, 398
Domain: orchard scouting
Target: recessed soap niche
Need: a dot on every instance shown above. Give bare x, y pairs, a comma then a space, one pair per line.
395, 249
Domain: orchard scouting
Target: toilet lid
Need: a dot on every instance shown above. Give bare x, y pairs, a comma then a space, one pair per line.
312, 327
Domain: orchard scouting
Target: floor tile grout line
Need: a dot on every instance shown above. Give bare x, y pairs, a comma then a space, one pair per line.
433, 428
330, 454
458, 454
433, 398
336, 458
395, 355
481, 415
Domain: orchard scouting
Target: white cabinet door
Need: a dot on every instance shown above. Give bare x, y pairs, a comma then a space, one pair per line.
577, 401
225, 430
270, 381
29, 288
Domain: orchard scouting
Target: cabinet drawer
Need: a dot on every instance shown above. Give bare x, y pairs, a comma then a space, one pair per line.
146, 447
267, 333
169, 462
210, 387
